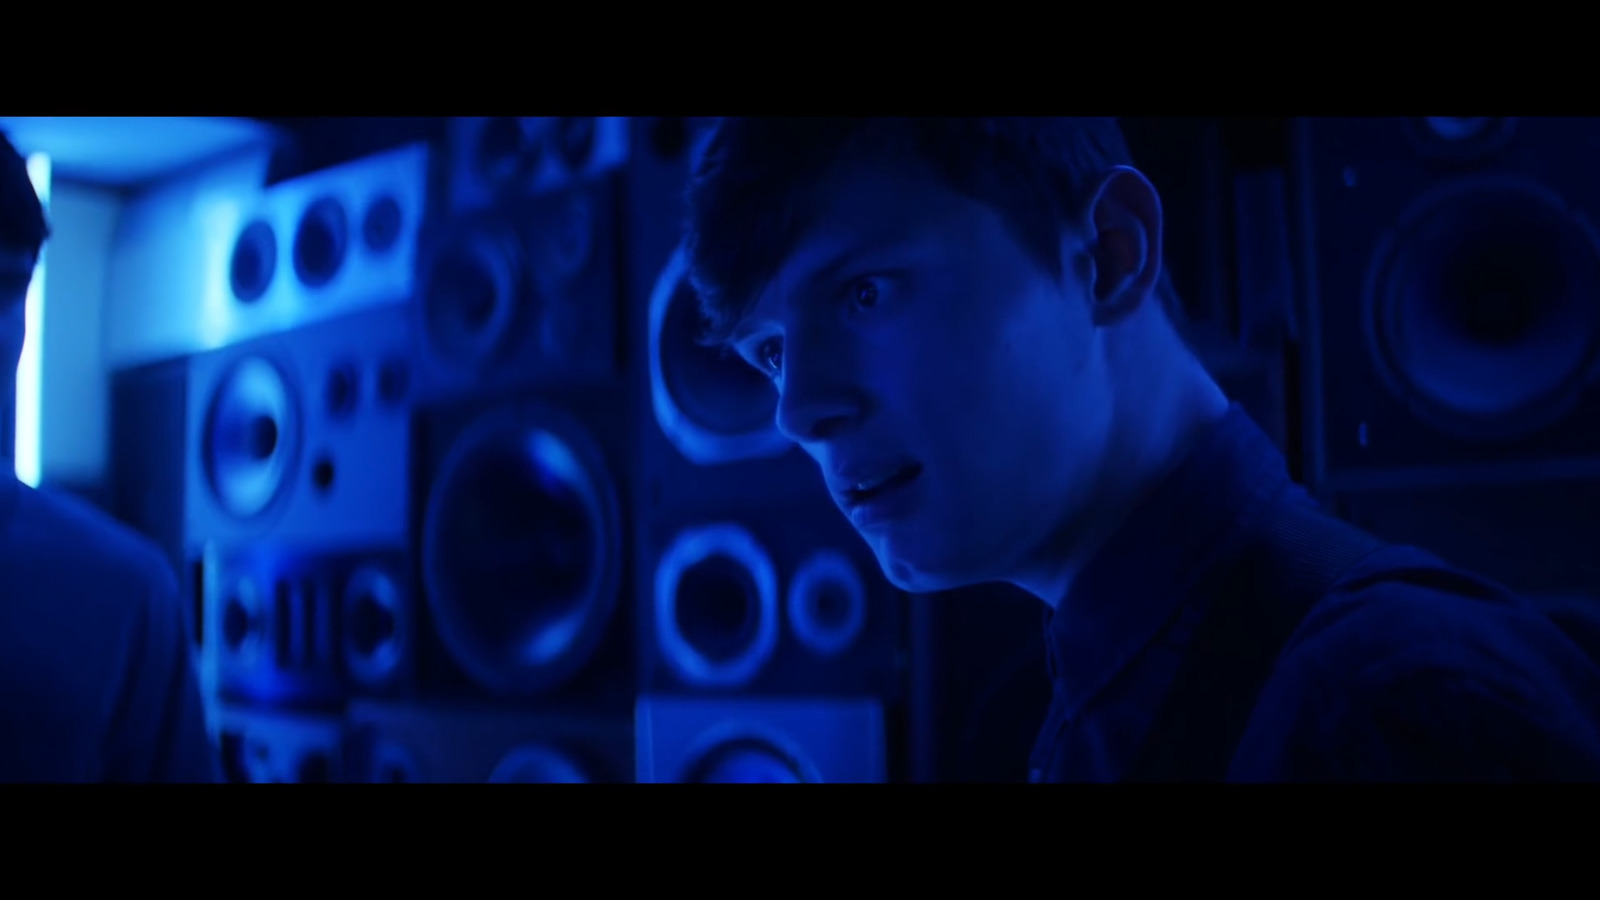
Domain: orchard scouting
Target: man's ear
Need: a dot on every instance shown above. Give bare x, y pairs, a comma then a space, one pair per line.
1123, 221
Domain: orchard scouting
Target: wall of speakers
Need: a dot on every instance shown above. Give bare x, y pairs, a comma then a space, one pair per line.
755, 597
516, 662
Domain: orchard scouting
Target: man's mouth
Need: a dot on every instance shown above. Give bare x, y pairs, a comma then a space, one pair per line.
872, 488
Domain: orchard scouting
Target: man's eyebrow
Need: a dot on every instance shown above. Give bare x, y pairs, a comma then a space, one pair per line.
740, 331
829, 270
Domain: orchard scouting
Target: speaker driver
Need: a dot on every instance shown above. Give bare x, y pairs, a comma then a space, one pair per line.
1483, 308
748, 760
521, 550
709, 403
1460, 139
251, 438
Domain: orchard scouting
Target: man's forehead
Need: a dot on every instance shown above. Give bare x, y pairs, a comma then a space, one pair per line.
857, 213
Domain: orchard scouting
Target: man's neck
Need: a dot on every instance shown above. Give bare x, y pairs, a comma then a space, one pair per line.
1151, 436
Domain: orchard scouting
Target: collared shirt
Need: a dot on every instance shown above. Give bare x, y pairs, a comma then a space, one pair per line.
1441, 675
96, 678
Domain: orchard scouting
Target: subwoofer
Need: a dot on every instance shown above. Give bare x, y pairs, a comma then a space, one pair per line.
1453, 285
1451, 276
521, 548
524, 454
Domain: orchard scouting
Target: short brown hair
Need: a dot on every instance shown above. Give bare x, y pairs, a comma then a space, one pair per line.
747, 200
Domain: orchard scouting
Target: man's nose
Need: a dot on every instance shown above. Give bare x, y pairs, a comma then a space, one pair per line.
818, 399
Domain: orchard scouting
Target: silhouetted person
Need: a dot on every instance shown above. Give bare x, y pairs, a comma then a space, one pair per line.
96, 682
964, 320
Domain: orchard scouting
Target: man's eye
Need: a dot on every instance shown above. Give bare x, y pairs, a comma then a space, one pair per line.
769, 355
864, 293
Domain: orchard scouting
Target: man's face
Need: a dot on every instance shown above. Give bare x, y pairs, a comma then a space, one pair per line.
16, 271
912, 338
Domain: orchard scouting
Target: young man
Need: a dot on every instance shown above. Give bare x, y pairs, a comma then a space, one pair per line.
964, 322
96, 683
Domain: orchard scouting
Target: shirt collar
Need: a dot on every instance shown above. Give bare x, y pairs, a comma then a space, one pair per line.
1140, 578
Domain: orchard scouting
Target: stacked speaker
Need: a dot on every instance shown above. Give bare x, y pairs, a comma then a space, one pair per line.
460, 497
1451, 273
515, 661
296, 462
770, 644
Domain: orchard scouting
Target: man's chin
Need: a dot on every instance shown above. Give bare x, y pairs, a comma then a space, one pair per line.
909, 573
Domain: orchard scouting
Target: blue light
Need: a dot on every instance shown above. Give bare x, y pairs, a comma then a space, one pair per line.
30, 367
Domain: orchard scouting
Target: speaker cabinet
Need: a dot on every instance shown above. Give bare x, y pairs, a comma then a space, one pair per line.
759, 741
267, 747
303, 437
329, 243
465, 745
496, 158
1450, 268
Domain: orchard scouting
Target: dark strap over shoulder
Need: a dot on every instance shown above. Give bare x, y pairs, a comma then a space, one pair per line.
1258, 601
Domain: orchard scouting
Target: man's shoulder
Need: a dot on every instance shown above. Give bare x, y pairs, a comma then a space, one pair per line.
59, 540
1403, 617
1413, 669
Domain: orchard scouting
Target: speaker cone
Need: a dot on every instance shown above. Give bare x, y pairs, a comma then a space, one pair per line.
709, 403
251, 438
716, 606
531, 764
254, 262
1484, 308
1458, 139
321, 242
746, 761
827, 603
521, 551
472, 295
